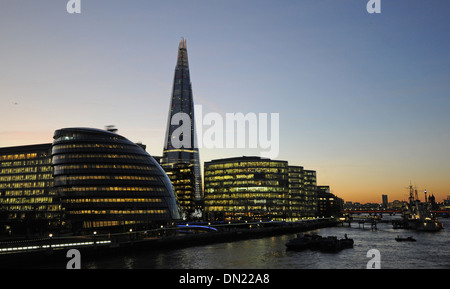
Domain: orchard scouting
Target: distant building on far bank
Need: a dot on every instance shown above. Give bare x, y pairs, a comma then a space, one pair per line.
385, 202
328, 204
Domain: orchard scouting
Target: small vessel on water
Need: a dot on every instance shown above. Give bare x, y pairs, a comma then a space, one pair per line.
303, 242
317, 242
417, 215
408, 239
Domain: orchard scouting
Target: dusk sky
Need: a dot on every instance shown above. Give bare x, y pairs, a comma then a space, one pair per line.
363, 99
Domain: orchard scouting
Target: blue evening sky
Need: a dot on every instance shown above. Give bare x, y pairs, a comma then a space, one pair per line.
363, 98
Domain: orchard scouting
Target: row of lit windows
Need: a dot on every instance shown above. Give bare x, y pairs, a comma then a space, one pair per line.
113, 189
298, 204
21, 185
246, 202
117, 212
249, 177
211, 194
34, 208
215, 190
186, 202
294, 185
310, 173
99, 224
25, 170
17, 157
36, 192
309, 183
26, 177
180, 150
229, 177
182, 189
104, 156
131, 178
212, 172
247, 165
89, 145
244, 183
244, 208
26, 200
103, 166
81, 136
28, 163
181, 182
295, 175
36, 215
114, 200
325, 199
246, 194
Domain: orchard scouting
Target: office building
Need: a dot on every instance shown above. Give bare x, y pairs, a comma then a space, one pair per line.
255, 188
182, 177
296, 196
180, 148
329, 205
29, 205
384, 199
246, 188
310, 192
108, 183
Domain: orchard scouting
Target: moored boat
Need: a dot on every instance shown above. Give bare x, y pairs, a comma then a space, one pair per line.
408, 239
417, 215
316, 242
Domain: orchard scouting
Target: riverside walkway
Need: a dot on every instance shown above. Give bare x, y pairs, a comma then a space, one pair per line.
182, 235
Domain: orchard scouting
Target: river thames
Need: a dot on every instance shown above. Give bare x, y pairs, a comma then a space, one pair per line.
430, 251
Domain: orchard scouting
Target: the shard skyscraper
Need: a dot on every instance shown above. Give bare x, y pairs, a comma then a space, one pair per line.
180, 157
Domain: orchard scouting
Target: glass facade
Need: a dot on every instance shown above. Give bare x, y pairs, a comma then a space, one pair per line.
310, 191
246, 188
297, 201
183, 181
177, 157
107, 182
254, 188
28, 201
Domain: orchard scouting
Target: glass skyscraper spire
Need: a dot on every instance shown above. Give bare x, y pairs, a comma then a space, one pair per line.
180, 156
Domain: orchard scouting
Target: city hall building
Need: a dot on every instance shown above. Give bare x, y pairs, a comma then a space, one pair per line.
86, 180
107, 182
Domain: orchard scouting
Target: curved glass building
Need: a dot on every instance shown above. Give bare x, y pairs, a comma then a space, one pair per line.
108, 182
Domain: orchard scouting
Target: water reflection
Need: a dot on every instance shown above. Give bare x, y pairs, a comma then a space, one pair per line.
430, 251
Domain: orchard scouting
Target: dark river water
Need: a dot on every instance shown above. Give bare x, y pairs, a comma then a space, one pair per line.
430, 251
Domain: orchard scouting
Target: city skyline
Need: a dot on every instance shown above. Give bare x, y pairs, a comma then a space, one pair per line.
362, 98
